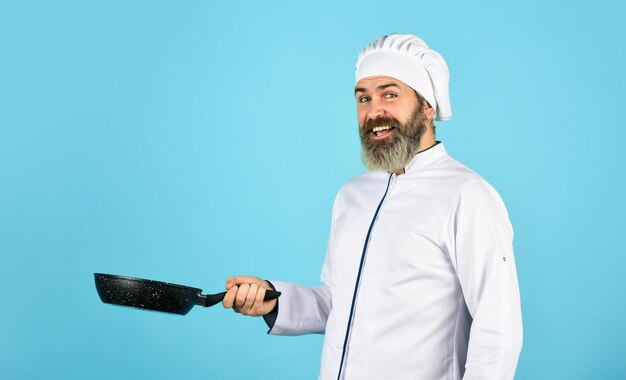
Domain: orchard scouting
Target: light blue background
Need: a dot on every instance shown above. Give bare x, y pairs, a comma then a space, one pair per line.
189, 141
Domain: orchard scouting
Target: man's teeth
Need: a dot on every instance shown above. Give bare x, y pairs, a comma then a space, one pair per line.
378, 129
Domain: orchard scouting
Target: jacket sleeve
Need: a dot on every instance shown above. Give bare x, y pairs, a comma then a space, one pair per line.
483, 256
301, 309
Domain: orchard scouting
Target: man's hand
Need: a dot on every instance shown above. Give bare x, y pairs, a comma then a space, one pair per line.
245, 295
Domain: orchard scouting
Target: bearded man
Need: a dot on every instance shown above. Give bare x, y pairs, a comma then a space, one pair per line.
419, 277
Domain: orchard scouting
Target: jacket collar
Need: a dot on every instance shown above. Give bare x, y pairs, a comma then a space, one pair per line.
425, 157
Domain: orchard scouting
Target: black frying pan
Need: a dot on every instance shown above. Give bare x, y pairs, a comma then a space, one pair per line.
156, 295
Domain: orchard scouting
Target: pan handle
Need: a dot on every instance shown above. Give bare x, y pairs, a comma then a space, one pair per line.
207, 300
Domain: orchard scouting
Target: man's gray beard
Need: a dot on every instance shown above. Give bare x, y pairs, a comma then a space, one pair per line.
395, 151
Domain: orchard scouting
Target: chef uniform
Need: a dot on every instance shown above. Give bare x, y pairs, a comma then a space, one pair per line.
419, 276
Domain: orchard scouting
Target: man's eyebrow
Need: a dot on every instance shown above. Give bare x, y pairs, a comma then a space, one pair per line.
381, 87
384, 86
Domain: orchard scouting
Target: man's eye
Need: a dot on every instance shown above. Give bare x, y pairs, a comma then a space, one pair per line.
390, 95
364, 99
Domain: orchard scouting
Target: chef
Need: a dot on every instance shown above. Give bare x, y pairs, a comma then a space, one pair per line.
419, 280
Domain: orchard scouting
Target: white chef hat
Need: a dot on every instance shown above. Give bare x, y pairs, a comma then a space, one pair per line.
407, 58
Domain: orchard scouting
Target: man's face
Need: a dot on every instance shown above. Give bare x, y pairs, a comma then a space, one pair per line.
391, 122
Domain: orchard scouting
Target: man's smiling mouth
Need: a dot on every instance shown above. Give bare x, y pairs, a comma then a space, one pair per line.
382, 131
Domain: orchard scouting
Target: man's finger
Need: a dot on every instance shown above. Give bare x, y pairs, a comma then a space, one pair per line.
238, 280
250, 297
240, 299
258, 302
229, 298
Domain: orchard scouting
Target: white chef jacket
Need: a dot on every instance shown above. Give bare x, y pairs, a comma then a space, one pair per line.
438, 296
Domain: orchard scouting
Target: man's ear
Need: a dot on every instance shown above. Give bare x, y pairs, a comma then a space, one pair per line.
429, 111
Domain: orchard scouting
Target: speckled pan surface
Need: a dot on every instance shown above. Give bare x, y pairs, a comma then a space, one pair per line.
145, 294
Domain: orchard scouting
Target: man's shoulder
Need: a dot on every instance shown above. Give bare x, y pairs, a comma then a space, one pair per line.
455, 170
369, 180
444, 173
367, 177
465, 182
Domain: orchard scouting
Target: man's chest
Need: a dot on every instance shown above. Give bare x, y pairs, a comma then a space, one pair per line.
406, 244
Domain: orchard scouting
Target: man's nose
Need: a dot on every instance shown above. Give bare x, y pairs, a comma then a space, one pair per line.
377, 109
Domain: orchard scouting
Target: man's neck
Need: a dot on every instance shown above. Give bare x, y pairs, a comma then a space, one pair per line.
428, 140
